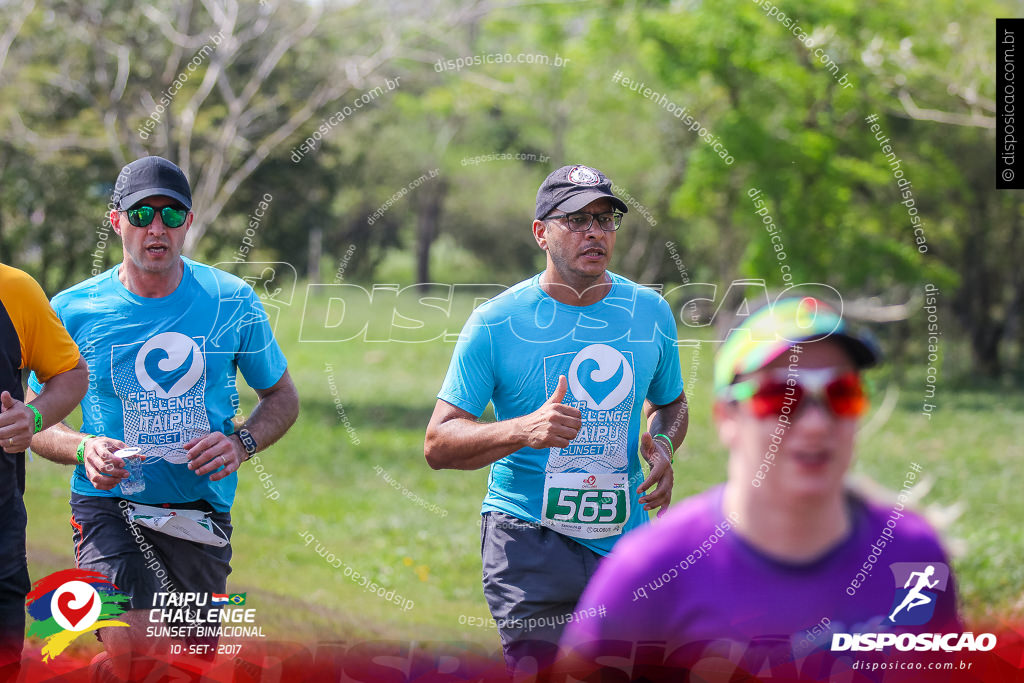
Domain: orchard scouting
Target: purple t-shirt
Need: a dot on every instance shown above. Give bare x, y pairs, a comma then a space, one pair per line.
703, 582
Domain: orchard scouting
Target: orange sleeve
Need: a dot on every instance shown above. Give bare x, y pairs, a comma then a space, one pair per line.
46, 347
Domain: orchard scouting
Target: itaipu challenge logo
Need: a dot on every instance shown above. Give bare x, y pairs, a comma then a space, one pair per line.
69, 603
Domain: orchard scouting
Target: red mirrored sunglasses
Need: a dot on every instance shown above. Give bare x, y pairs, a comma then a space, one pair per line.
842, 393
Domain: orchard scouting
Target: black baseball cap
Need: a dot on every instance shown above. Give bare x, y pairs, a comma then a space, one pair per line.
570, 188
148, 177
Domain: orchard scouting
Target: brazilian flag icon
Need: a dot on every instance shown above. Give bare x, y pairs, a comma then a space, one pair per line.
237, 598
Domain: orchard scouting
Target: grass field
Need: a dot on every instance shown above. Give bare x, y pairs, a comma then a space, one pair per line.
325, 470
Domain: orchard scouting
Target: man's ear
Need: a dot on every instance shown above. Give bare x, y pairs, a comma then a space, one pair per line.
540, 231
115, 220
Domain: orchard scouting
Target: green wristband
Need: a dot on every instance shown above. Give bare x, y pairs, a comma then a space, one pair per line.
38, 421
80, 455
671, 448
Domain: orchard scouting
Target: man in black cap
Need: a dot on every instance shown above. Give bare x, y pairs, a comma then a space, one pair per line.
30, 337
165, 336
569, 358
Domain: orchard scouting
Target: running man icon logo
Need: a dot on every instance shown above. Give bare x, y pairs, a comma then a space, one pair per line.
917, 587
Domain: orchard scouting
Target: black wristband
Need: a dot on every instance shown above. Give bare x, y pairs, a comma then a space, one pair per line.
248, 442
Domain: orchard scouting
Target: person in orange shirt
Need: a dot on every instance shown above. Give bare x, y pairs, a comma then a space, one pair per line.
31, 337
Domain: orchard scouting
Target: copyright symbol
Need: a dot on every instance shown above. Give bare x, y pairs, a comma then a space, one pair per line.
1007, 174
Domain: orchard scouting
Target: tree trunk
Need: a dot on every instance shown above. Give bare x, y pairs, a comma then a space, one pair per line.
978, 299
315, 252
428, 224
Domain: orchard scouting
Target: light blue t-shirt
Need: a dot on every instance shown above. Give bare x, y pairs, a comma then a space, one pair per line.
615, 354
162, 371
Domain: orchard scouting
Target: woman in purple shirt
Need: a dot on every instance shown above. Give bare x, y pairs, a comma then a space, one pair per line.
781, 565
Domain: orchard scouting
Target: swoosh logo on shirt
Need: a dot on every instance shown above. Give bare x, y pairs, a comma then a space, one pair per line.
600, 375
169, 364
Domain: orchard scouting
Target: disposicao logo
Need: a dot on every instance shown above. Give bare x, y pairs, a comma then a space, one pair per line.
917, 585
914, 605
71, 602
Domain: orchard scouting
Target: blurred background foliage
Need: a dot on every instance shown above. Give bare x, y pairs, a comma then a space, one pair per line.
79, 80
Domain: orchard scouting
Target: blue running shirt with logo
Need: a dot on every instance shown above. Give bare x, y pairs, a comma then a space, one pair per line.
615, 354
162, 371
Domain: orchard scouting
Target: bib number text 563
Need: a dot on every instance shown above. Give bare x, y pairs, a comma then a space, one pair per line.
587, 507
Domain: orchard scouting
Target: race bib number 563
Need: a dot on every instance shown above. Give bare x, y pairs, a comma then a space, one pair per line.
586, 505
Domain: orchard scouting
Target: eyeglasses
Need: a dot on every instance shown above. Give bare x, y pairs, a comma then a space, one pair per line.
841, 393
141, 216
581, 221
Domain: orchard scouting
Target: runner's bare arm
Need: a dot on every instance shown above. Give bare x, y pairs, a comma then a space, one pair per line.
60, 442
456, 440
273, 415
58, 398
671, 420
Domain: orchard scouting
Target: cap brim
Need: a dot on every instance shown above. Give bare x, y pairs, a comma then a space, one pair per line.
577, 202
861, 351
127, 201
